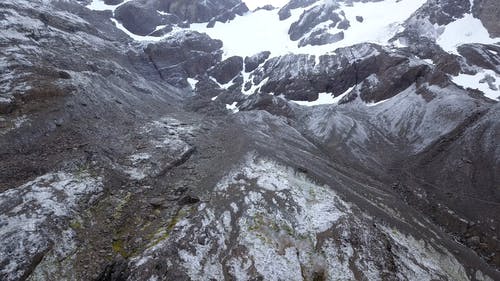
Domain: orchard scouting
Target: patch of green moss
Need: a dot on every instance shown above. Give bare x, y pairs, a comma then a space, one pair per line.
84, 172
119, 209
303, 237
163, 233
312, 192
119, 248
258, 222
287, 229
75, 224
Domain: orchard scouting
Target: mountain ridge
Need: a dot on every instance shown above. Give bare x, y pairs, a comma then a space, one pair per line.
167, 155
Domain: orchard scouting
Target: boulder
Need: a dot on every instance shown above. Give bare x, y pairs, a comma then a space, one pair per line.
321, 37
484, 56
201, 11
113, 2
488, 11
182, 55
251, 63
311, 18
139, 17
227, 70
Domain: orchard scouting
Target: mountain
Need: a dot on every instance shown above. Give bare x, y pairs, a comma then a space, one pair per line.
198, 140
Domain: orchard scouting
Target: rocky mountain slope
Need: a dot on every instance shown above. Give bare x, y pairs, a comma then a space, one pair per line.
196, 140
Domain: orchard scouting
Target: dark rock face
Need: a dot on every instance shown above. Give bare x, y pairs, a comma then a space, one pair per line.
285, 13
321, 37
113, 2
420, 26
449, 11
197, 11
311, 18
485, 56
265, 7
226, 16
394, 79
183, 55
226, 70
489, 13
269, 103
444, 12
251, 63
469, 151
207, 87
139, 16
299, 77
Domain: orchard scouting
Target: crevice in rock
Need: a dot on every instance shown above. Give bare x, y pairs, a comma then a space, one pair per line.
155, 66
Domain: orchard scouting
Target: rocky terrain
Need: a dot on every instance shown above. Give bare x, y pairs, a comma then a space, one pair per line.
198, 140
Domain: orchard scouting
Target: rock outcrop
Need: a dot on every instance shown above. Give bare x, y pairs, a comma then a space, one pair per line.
172, 160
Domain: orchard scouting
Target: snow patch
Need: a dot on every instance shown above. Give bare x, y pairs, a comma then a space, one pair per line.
324, 98
146, 38
233, 107
99, 5
192, 82
463, 31
376, 103
263, 31
476, 81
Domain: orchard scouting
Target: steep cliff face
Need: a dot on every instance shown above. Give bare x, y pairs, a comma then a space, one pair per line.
194, 140
488, 12
142, 17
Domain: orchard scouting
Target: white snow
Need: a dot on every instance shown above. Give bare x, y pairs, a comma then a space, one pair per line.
5, 100
324, 98
232, 107
376, 103
99, 5
192, 82
429, 61
223, 86
462, 31
135, 36
399, 43
139, 157
263, 31
493, 52
381, 20
252, 33
472, 81
19, 121
15, 123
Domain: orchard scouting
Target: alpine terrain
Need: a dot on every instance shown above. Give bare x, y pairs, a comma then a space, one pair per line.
200, 140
